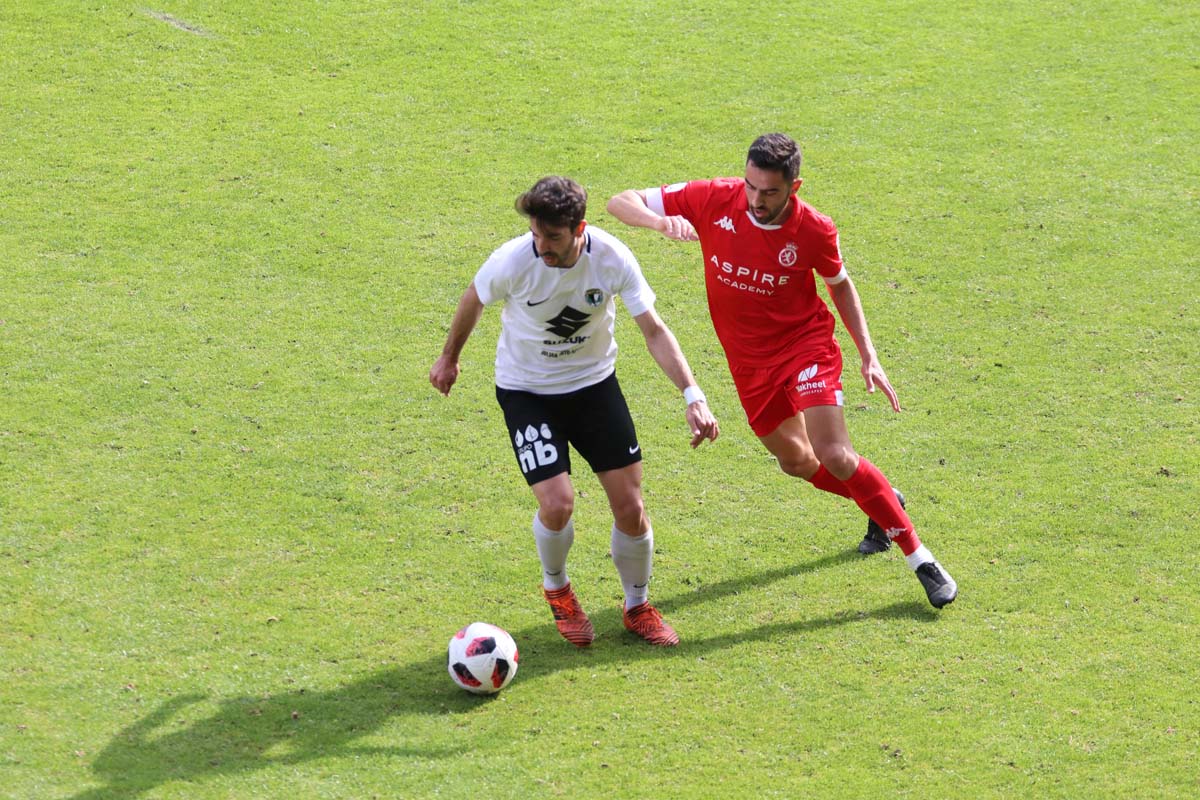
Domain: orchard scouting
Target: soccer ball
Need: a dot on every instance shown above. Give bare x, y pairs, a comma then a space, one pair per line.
482, 658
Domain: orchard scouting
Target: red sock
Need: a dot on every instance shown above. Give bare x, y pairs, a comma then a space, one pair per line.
825, 481
874, 496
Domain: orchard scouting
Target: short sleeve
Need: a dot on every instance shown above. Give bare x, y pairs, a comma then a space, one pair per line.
827, 259
490, 281
682, 199
635, 291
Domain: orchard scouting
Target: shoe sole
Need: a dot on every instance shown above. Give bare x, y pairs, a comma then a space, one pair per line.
665, 640
657, 642
945, 602
579, 640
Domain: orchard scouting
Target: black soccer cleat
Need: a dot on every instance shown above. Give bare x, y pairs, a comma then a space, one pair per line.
939, 586
876, 541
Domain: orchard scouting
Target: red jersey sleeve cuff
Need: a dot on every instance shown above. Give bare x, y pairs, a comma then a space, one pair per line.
841, 276
654, 201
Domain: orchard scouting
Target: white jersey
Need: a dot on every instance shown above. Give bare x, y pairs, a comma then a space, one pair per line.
557, 324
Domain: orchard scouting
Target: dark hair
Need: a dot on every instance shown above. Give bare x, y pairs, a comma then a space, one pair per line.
778, 152
556, 201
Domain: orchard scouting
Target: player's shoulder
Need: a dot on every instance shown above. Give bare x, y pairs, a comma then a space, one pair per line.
710, 197
728, 185
717, 188
515, 252
809, 218
602, 243
518, 245
707, 185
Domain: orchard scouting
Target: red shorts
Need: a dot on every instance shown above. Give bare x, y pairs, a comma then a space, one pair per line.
774, 394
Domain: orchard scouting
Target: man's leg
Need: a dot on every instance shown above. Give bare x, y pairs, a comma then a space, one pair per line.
553, 528
554, 533
790, 445
543, 455
826, 426
633, 553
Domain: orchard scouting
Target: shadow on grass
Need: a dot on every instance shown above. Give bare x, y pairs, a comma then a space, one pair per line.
248, 733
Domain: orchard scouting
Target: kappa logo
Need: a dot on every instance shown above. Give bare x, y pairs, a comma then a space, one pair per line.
807, 374
726, 223
534, 448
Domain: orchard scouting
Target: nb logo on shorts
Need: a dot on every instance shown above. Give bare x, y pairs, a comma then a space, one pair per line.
532, 451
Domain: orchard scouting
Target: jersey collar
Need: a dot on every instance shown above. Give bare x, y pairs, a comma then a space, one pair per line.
787, 219
587, 246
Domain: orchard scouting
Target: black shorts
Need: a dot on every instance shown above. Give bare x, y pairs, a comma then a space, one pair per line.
595, 420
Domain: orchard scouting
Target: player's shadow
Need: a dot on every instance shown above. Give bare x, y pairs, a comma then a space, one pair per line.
248, 733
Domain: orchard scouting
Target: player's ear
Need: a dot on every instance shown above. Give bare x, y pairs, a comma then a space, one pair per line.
582, 225
796, 185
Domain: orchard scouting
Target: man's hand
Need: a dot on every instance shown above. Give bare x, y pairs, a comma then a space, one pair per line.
874, 375
702, 423
443, 374
676, 228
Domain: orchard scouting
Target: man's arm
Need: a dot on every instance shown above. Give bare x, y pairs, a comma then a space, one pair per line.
665, 349
630, 207
849, 306
445, 370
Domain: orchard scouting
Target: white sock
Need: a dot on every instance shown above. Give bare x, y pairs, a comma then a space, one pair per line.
918, 557
633, 557
552, 548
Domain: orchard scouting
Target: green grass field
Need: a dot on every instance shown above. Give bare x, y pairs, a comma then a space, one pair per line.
238, 527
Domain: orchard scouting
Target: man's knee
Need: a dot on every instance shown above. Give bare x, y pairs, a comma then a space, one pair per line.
800, 465
555, 508
629, 514
839, 458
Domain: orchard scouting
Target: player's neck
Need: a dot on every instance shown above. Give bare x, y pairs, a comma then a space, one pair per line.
578, 252
783, 214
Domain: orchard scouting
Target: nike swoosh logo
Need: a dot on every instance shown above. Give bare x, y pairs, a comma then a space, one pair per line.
530, 303
634, 449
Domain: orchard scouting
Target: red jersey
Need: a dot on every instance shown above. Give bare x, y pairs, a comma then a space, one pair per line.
762, 296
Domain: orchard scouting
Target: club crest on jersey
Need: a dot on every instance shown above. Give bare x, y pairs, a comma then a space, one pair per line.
594, 297
787, 256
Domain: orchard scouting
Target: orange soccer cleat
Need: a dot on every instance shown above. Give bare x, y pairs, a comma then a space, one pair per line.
572, 623
646, 622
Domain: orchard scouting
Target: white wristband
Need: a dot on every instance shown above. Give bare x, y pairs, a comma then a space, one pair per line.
692, 394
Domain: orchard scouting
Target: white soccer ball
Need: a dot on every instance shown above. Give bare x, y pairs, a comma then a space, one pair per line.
482, 658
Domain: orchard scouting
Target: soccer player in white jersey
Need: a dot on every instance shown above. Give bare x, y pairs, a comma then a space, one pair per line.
762, 245
557, 386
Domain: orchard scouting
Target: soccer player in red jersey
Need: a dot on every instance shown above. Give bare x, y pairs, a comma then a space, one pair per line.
762, 245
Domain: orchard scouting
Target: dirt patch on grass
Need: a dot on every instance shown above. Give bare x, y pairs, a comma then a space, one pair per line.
183, 25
